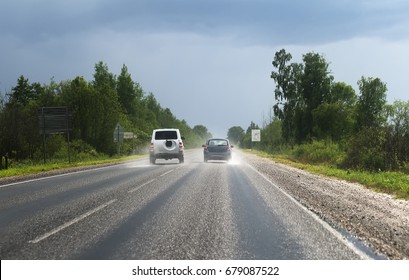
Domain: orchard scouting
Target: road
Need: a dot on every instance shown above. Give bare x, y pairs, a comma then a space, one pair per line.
195, 210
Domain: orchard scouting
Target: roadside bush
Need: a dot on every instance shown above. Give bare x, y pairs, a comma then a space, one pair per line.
81, 150
366, 150
325, 152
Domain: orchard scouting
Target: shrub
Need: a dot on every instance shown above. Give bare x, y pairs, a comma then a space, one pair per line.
366, 150
319, 152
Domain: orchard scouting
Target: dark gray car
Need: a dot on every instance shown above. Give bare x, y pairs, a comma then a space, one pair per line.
217, 149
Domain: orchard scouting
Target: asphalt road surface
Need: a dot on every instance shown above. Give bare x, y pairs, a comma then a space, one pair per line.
195, 210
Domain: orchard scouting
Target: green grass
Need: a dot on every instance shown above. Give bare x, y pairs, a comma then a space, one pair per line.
29, 168
394, 183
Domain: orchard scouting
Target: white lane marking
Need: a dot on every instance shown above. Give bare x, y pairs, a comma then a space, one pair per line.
166, 173
76, 220
338, 235
140, 186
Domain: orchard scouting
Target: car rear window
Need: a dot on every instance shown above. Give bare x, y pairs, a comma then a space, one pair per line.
165, 135
217, 143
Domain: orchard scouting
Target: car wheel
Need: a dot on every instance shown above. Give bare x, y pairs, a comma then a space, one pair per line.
152, 160
181, 159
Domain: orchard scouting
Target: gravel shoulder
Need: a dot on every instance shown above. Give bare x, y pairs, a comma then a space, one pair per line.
377, 219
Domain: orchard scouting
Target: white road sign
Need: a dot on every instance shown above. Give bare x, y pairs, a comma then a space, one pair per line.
255, 135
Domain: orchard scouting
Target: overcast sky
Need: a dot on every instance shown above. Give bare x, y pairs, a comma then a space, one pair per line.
208, 61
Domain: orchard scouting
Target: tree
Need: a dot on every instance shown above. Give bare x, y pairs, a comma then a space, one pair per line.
343, 94
235, 134
127, 91
109, 112
371, 103
21, 136
398, 135
334, 119
202, 132
22, 93
272, 136
316, 87
245, 141
367, 147
287, 92
82, 99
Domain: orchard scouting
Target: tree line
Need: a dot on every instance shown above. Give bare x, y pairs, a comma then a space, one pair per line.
96, 107
313, 110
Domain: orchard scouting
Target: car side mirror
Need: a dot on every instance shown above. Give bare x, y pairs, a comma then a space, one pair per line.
232, 146
183, 138
203, 146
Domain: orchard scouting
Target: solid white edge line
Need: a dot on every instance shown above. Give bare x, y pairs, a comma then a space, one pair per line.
140, 186
338, 235
76, 220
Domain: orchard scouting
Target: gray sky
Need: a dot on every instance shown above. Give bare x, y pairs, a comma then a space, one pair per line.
209, 61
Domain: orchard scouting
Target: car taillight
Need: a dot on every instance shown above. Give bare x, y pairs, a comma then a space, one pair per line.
229, 148
180, 145
151, 147
206, 147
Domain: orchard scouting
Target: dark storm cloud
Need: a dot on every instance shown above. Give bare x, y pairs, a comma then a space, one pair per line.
278, 22
197, 51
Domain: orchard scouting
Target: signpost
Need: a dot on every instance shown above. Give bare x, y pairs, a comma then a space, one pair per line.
120, 135
255, 136
54, 120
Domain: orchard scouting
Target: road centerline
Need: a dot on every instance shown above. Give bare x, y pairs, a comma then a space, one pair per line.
76, 220
166, 173
140, 186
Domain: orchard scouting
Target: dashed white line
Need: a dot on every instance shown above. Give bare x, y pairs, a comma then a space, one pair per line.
166, 173
76, 220
140, 186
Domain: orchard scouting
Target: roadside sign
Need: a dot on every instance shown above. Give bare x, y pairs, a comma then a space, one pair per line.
129, 135
255, 135
118, 133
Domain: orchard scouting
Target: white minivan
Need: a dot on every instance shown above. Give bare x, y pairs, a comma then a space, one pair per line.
166, 143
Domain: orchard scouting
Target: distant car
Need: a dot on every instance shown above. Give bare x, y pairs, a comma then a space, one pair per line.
166, 143
217, 149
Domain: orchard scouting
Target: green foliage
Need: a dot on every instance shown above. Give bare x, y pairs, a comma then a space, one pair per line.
395, 183
96, 108
301, 90
397, 139
245, 141
235, 135
319, 152
202, 133
271, 135
316, 85
288, 94
332, 121
371, 109
313, 108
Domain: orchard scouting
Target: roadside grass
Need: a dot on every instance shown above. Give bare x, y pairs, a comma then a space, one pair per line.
35, 168
393, 183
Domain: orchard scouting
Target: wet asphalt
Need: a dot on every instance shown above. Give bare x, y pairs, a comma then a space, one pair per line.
194, 211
